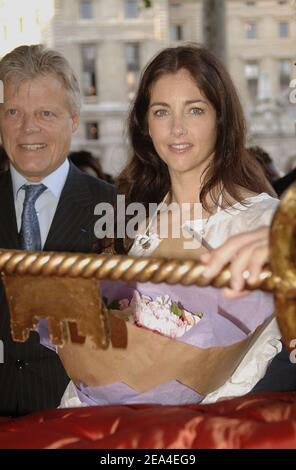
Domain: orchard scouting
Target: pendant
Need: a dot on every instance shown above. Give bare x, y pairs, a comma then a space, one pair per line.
145, 242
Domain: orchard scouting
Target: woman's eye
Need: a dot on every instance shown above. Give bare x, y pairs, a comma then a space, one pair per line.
196, 111
161, 112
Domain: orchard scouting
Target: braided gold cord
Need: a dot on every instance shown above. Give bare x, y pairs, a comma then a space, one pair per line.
281, 279
126, 268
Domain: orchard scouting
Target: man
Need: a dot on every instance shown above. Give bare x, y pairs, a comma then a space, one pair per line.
283, 183
45, 203
250, 252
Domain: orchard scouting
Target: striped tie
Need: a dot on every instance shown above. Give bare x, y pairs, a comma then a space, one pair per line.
30, 238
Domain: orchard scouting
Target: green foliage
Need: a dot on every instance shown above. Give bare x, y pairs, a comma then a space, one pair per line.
114, 305
147, 3
175, 309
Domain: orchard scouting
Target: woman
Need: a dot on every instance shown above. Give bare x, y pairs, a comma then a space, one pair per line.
187, 134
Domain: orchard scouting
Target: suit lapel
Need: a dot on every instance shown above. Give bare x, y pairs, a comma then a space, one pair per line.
8, 227
71, 228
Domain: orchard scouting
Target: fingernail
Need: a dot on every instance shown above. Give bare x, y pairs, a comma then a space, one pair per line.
252, 279
236, 285
207, 272
205, 257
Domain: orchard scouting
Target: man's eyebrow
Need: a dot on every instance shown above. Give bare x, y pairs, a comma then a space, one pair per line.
197, 100
7, 104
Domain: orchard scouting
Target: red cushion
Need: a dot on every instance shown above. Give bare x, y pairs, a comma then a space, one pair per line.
265, 420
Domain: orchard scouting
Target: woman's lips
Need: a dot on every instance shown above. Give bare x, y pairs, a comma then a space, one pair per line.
180, 148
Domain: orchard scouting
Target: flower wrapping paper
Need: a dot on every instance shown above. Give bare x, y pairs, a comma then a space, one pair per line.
144, 366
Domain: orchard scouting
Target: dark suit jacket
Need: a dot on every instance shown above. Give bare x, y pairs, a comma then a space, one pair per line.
32, 377
283, 183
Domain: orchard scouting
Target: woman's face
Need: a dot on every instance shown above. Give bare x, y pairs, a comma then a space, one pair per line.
182, 124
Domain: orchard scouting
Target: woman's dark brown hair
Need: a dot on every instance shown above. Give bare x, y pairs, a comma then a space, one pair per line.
146, 178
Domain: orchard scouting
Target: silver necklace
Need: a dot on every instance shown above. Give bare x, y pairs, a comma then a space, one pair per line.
145, 240
198, 234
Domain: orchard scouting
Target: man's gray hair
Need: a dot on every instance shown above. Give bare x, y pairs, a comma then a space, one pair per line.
28, 62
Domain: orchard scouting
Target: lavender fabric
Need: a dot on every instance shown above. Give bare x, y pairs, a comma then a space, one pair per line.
224, 322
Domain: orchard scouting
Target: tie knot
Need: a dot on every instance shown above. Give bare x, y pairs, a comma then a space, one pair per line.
33, 191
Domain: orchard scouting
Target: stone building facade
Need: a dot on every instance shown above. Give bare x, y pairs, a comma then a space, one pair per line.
108, 42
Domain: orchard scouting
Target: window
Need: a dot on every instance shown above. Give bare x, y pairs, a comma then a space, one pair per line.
250, 4
282, 2
89, 80
133, 56
285, 66
132, 53
86, 10
283, 29
176, 32
250, 30
131, 9
264, 88
91, 130
252, 75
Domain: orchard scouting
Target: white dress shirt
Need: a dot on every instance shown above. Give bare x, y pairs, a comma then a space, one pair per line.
47, 203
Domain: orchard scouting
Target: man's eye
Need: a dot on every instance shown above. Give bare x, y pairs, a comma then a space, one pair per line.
12, 112
47, 114
196, 111
161, 112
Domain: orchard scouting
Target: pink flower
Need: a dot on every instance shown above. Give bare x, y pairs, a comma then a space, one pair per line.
123, 304
162, 315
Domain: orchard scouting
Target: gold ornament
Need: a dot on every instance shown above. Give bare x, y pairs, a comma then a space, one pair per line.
62, 287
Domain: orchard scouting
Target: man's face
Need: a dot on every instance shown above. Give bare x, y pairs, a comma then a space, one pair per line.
36, 125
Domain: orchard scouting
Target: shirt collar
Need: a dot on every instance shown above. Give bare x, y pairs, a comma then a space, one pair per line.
55, 181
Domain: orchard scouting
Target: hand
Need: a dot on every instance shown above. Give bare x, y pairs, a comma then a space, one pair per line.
248, 251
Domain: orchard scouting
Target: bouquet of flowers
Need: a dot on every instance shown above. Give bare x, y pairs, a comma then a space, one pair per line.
161, 314
162, 349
